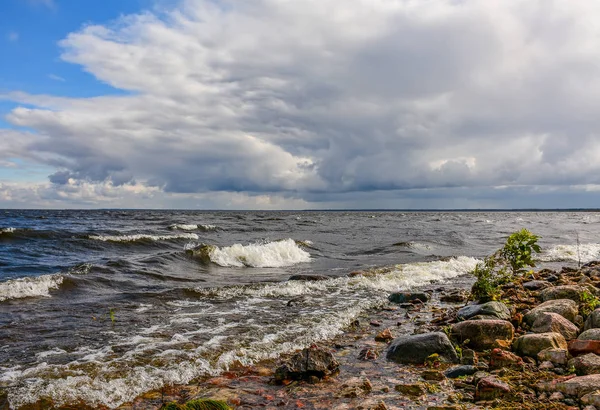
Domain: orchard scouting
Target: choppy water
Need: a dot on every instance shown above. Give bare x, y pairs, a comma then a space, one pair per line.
101, 306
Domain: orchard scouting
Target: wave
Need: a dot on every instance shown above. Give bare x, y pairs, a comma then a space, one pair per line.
29, 287
585, 252
413, 245
7, 230
192, 227
142, 237
267, 255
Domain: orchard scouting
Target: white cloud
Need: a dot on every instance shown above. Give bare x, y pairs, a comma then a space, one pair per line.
314, 98
56, 78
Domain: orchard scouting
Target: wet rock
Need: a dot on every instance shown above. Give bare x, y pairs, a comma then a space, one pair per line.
455, 296
408, 297
417, 348
571, 292
593, 320
553, 322
564, 307
310, 362
547, 365
309, 278
576, 386
434, 375
497, 309
459, 371
368, 354
490, 388
501, 358
384, 336
558, 357
586, 364
482, 334
552, 278
577, 347
410, 389
556, 396
536, 284
590, 334
356, 387
468, 357
533, 343
592, 399
375, 323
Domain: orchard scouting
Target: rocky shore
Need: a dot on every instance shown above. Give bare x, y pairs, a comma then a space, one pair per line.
538, 347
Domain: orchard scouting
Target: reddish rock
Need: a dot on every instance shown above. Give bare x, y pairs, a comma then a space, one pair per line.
576, 386
501, 358
490, 388
577, 347
384, 336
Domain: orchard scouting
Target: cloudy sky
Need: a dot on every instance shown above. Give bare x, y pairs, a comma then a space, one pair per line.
298, 104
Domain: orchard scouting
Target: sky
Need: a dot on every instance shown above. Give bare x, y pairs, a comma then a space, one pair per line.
299, 104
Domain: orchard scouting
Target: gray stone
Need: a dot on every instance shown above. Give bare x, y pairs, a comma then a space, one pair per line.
482, 334
577, 386
415, 349
593, 320
533, 343
309, 363
562, 292
590, 334
586, 364
497, 309
408, 297
592, 399
564, 307
459, 371
536, 284
555, 356
553, 322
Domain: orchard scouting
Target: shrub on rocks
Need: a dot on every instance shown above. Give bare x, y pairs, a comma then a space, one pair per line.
533, 343
564, 307
415, 349
553, 322
482, 334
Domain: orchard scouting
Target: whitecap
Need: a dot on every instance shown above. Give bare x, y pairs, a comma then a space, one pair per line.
29, 286
584, 253
142, 237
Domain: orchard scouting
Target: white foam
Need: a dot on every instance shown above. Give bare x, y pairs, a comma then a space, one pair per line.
29, 287
192, 227
268, 255
585, 252
141, 237
7, 230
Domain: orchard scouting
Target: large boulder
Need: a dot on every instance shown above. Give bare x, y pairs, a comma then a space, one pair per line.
497, 309
577, 386
482, 334
571, 292
564, 307
593, 320
533, 343
590, 334
586, 364
310, 362
553, 322
415, 349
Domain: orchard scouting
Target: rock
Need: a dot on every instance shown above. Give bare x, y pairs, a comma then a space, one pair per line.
468, 357
533, 343
592, 399
490, 388
408, 297
455, 296
309, 278
482, 334
368, 354
356, 387
556, 356
576, 386
417, 348
310, 362
586, 364
501, 358
577, 347
434, 375
564, 307
593, 320
553, 322
384, 336
536, 284
547, 365
590, 334
556, 396
562, 292
497, 309
458, 371
410, 389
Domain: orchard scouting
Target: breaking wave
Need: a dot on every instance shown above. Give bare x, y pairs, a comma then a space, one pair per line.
585, 252
7, 230
267, 255
142, 237
192, 227
29, 287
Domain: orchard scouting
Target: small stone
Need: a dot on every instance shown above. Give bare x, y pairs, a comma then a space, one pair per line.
533, 343
576, 386
375, 323
309, 277
380, 406
547, 365
433, 375
410, 389
468, 357
482, 334
536, 284
490, 388
368, 354
497, 309
309, 363
456, 296
592, 399
586, 364
459, 371
556, 396
409, 297
500, 358
558, 357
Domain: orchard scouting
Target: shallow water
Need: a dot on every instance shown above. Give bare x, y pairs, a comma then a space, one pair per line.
101, 306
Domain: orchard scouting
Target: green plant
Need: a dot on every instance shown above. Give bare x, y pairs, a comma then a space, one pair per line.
111, 314
503, 265
589, 303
